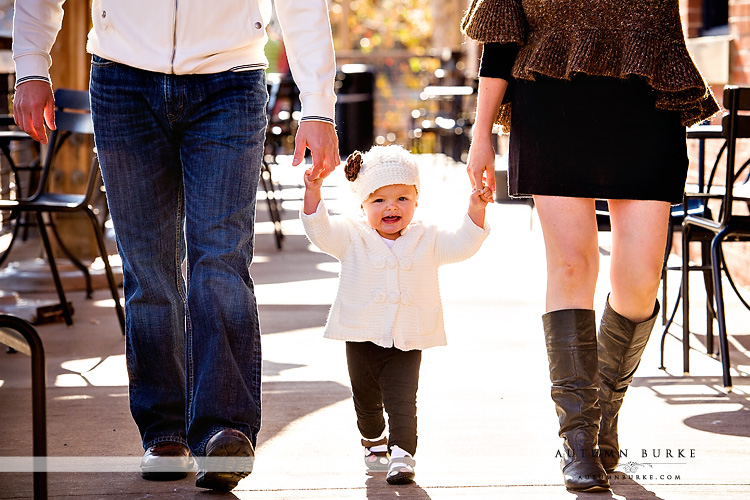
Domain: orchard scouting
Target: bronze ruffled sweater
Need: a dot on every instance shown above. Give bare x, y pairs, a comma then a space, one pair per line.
614, 38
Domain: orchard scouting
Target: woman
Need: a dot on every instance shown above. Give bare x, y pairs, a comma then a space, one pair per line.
601, 93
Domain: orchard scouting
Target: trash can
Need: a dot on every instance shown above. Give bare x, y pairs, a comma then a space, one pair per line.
355, 109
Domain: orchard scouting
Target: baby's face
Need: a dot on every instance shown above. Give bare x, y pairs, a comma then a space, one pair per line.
390, 209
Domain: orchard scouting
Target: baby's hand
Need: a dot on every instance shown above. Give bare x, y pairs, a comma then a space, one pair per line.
481, 196
313, 184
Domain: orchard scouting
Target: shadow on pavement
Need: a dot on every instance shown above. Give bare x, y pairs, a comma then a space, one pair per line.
631, 490
378, 488
285, 402
276, 318
729, 423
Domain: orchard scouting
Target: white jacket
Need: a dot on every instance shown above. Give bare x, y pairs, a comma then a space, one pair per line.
389, 296
187, 37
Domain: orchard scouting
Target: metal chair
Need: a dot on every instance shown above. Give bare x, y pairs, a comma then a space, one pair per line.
726, 226
21, 337
72, 116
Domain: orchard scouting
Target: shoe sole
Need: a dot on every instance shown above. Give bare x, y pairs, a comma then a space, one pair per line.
228, 464
590, 489
401, 478
163, 476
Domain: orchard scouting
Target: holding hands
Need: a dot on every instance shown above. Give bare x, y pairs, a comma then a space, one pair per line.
313, 183
480, 196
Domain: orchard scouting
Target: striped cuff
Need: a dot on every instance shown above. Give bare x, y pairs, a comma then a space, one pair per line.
32, 77
248, 67
317, 119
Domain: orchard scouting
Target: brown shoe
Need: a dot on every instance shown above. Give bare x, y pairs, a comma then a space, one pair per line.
229, 458
166, 462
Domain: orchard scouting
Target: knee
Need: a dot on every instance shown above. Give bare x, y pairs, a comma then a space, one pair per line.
574, 267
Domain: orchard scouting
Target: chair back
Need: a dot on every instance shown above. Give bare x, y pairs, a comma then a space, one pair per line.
735, 126
72, 116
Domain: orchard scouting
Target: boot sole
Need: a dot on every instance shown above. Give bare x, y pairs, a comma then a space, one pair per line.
163, 476
227, 465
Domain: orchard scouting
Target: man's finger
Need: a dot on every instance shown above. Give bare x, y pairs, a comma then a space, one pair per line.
49, 115
299, 153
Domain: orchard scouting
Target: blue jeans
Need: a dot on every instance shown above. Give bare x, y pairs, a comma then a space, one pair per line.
180, 157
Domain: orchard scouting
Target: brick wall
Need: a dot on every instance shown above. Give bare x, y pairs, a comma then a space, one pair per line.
690, 10
739, 27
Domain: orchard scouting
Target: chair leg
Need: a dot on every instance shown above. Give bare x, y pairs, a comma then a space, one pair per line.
73, 259
708, 280
721, 319
685, 300
53, 268
272, 202
664, 275
107, 268
16, 225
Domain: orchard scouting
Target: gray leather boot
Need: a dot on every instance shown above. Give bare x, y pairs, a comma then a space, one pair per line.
570, 335
621, 344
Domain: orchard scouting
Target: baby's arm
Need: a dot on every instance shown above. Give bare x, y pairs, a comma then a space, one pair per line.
477, 203
312, 193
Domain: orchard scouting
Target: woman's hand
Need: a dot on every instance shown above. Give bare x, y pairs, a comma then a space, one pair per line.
481, 164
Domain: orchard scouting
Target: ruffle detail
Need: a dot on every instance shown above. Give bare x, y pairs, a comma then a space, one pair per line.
488, 21
664, 64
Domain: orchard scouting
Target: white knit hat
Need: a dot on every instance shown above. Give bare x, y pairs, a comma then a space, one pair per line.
381, 166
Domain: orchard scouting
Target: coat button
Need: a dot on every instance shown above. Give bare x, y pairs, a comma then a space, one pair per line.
391, 262
394, 297
406, 298
378, 297
379, 263
405, 264
258, 26
104, 14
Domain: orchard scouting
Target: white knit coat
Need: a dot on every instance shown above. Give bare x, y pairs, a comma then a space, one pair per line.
389, 296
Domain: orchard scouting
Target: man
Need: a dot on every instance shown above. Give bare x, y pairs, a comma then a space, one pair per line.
178, 98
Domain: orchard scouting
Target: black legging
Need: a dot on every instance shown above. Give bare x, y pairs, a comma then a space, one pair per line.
385, 377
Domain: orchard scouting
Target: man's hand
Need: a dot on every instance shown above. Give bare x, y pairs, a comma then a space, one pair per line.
320, 138
33, 105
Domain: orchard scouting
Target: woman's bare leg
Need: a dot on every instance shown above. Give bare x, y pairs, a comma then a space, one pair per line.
572, 247
639, 236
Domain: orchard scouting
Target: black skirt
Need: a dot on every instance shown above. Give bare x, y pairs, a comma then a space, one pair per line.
594, 137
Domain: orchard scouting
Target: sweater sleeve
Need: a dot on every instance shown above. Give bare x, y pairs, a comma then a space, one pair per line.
331, 234
497, 60
495, 21
35, 27
458, 245
309, 43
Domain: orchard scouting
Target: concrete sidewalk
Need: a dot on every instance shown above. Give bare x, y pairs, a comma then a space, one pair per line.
487, 426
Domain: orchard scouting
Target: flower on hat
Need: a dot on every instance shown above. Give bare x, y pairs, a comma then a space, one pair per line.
380, 166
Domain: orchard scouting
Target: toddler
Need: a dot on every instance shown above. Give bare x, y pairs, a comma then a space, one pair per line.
388, 306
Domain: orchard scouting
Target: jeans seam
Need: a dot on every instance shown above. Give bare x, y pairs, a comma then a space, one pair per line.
182, 291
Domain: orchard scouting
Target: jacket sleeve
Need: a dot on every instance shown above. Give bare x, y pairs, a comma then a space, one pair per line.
331, 235
458, 245
495, 21
35, 27
309, 46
